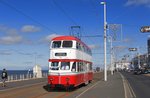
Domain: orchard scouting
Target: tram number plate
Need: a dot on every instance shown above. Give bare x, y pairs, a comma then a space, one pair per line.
60, 54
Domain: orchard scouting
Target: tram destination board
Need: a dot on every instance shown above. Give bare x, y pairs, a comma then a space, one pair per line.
60, 54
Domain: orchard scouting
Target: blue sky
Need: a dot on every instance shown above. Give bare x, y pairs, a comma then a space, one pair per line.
26, 27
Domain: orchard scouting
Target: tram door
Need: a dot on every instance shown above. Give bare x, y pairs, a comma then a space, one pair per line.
85, 72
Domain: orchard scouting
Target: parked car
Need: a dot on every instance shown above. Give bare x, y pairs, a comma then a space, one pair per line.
148, 70
145, 70
137, 71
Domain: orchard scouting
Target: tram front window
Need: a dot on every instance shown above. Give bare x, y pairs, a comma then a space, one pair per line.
73, 67
54, 66
67, 44
56, 44
65, 65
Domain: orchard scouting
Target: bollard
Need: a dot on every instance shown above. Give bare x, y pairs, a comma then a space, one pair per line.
27, 76
8, 78
23, 77
11, 77
20, 77
16, 78
42, 74
30, 76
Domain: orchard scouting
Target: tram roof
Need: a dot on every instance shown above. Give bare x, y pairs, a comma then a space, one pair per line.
69, 38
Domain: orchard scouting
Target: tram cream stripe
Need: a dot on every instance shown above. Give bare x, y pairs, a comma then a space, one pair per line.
87, 89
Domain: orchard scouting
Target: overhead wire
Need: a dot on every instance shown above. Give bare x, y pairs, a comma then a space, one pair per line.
87, 36
64, 12
24, 14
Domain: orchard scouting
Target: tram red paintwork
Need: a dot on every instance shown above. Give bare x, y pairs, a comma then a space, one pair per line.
73, 80
69, 78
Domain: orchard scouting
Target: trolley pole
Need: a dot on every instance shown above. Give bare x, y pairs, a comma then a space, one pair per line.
105, 39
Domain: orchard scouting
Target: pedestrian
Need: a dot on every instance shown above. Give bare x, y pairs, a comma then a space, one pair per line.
4, 77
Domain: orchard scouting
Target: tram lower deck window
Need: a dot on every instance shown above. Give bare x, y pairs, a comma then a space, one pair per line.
65, 65
54, 66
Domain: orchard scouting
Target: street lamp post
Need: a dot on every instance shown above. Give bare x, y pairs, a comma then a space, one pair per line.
105, 39
111, 55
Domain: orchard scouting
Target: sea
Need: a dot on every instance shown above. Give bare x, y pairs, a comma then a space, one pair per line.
17, 73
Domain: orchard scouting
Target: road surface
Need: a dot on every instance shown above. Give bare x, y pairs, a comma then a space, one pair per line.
139, 83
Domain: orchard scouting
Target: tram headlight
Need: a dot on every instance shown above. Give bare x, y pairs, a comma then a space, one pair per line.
67, 79
51, 79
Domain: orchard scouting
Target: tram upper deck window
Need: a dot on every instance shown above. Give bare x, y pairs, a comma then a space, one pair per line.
67, 44
65, 65
54, 66
56, 44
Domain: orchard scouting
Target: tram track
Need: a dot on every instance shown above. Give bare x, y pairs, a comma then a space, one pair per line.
17, 91
40, 95
41, 91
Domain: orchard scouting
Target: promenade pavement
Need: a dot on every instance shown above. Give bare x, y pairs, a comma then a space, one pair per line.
112, 88
24, 83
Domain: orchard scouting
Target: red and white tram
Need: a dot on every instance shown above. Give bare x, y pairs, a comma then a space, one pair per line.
70, 62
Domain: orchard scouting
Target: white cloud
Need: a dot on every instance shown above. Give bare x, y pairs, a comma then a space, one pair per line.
30, 29
11, 39
119, 48
5, 52
12, 36
94, 46
127, 40
48, 38
28, 62
7, 30
12, 32
3, 28
138, 2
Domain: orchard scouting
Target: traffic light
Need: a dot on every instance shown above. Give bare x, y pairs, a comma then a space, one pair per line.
132, 49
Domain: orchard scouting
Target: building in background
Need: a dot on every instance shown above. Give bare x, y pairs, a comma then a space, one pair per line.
148, 48
37, 71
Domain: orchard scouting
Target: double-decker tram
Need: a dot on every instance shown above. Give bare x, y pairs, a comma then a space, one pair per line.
70, 62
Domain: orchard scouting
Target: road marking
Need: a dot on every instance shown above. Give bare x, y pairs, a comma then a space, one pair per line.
40, 95
87, 89
131, 89
126, 85
22, 86
64, 95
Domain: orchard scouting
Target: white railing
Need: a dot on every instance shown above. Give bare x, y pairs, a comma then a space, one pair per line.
21, 77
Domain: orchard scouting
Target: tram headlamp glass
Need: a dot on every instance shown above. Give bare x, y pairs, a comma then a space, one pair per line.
67, 79
51, 79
